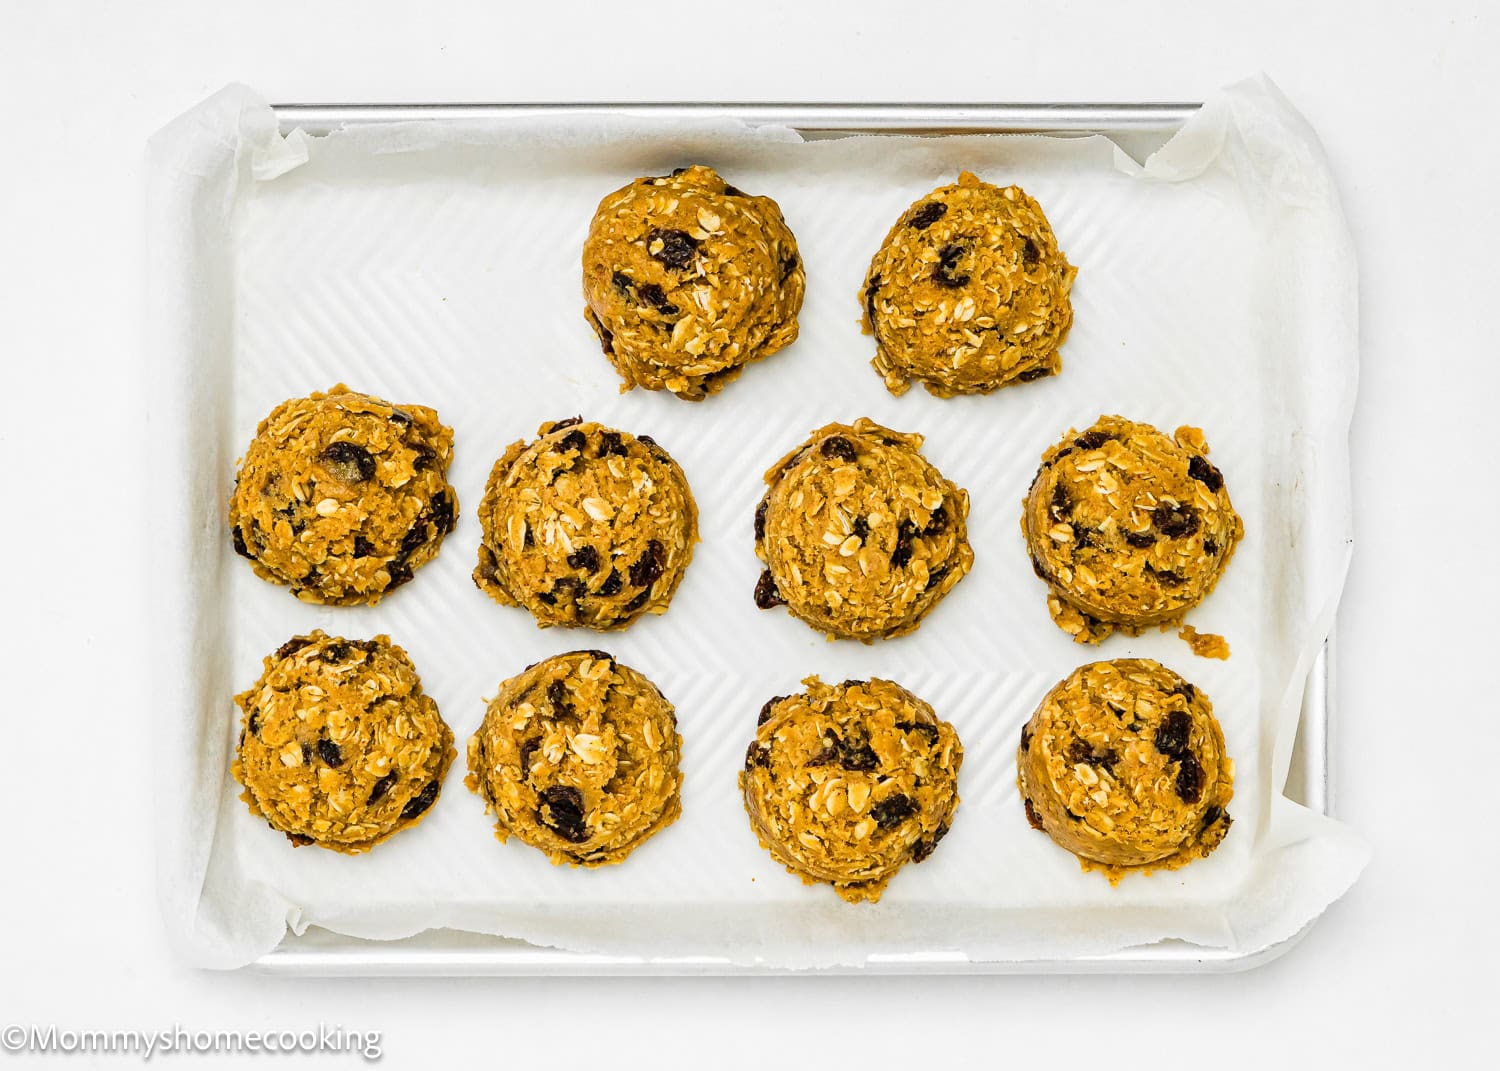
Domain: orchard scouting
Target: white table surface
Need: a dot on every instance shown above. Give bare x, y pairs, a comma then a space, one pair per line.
1402, 969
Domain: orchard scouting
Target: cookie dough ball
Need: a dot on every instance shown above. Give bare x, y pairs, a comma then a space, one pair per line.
1128, 527
339, 747
578, 756
688, 280
861, 536
585, 526
846, 783
342, 495
969, 293
1123, 765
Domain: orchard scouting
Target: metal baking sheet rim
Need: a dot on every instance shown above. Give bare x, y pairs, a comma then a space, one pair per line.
447, 952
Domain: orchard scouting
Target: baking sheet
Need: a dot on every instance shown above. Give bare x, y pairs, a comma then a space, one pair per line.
436, 263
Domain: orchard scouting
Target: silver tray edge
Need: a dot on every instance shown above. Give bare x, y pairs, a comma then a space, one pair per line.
449, 953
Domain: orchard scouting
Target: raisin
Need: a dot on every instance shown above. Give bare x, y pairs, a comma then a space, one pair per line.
1140, 539
871, 288
1175, 522
291, 646
547, 597
901, 555
330, 752
765, 711
528, 749
636, 603
839, 447
1210, 816
1167, 578
306, 754
1172, 737
1062, 502
1186, 690
528, 538
929, 731
575, 440
755, 755
788, 265
336, 651
425, 458
299, 840
612, 585
606, 338
558, 425
1200, 469
945, 273
647, 440
766, 595
621, 282
677, 247
381, 787
1083, 538
413, 540
927, 214
649, 567
1210, 546
363, 548
858, 756
238, 539
1032, 374
253, 723
923, 848
420, 803
349, 462
892, 811
1031, 255
610, 443
585, 558
938, 522
1078, 751
653, 295
443, 515
1032, 818
1190, 779
734, 191
562, 812
557, 695
1091, 440
401, 417
760, 521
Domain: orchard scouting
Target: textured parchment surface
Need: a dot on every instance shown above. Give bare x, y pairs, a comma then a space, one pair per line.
439, 265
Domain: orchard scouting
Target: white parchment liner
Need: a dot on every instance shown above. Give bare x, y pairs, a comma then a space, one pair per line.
438, 263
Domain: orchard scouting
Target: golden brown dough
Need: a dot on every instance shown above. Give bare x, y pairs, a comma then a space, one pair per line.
1123, 764
577, 756
339, 746
1127, 527
969, 292
845, 784
860, 534
342, 495
585, 526
688, 280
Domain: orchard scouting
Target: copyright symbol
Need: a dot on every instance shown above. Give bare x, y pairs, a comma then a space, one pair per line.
13, 1037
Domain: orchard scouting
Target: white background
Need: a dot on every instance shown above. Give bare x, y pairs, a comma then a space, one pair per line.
1402, 969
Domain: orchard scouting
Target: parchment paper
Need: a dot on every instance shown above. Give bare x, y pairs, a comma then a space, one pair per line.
438, 264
